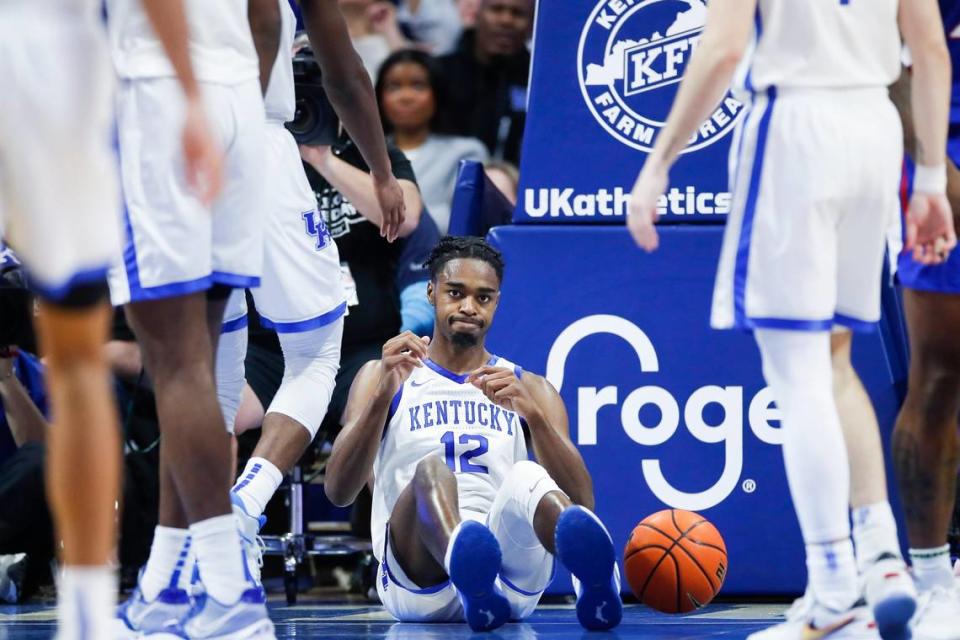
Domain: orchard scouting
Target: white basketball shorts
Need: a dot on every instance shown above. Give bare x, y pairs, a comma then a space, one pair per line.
175, 245
301, 288
59, 198
815, 177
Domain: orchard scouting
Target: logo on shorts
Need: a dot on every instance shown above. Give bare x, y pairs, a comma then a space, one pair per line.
316, 228
631, 59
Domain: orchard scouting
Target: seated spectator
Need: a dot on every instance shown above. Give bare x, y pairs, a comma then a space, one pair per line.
434, 24
504, 177
412, 102
374, 31
487, 77
468, 10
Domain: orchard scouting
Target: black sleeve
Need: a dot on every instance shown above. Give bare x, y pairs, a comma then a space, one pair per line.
402, 167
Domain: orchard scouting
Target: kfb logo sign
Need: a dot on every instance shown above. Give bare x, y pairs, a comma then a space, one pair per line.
631, 59
760, 411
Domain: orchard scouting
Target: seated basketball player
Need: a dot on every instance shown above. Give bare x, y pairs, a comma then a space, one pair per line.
465, 526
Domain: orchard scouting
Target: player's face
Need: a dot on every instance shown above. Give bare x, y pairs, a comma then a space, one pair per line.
503, 26
408, 100
465, 295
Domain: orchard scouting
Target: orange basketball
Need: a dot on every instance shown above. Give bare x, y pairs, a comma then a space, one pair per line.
675, 561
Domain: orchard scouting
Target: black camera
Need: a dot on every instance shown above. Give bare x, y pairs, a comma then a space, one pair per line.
315, 121
16, 306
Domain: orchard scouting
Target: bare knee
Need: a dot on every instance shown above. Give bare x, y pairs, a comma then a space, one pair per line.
935, 389
431, 471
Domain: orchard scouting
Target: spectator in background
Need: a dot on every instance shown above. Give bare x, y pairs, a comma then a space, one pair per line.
434, 24
504, 177
374, 31
487, 77
468, 10
412, 98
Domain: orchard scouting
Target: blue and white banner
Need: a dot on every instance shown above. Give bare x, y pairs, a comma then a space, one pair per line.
604, 76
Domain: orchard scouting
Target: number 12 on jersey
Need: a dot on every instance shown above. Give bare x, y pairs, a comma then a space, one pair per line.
450, 451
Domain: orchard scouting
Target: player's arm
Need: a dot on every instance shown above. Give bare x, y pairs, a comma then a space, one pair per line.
358, 187
204, 159
365, 416
724, 41
929, 226
266, 24
350, 91
901, 95
539, 404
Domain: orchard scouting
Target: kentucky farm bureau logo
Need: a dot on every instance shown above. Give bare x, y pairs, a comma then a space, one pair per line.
631, 58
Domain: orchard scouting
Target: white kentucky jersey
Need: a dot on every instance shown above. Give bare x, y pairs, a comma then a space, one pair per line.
438, 413
221, 44
822, 44
280, 99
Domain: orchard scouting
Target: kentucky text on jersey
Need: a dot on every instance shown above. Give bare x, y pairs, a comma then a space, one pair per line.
444, 413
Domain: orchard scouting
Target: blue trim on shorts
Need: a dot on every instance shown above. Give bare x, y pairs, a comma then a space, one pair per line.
305, 325
758, 30
794, 324
235, 325
427, 591
750, 208
171, 290
94, 276
235, 280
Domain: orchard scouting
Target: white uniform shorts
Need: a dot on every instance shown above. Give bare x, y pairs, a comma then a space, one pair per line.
301, 288
174, 245
528, 569
814, 175
59, 199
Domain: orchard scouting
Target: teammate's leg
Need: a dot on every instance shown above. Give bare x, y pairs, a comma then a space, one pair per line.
797, 367
177, 343
926, 448
83, 463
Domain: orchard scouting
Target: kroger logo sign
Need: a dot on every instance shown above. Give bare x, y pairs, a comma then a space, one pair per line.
739, 412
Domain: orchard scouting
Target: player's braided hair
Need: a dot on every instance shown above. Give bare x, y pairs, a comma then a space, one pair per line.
455, 247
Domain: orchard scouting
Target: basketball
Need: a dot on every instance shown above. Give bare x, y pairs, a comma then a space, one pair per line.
675, 561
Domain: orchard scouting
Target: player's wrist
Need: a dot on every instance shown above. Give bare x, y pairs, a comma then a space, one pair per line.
931, 180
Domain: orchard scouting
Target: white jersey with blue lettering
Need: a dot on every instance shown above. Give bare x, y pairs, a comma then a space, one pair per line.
281, 100
823, 44
438, 413
221, 45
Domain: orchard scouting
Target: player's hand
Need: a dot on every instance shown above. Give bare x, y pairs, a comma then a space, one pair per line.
202, 155
930, 233
316, 155
382, 17
642, 211
503, 388
400, 356
392, 206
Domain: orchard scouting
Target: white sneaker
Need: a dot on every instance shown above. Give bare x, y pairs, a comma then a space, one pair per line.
892, 596
938, 616
807, 620
249, 536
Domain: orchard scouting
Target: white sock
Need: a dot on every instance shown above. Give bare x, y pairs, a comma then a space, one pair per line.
832, 574
257, 484
453, 538
874, 533
931, 567
169, 545
220, 557
86, 602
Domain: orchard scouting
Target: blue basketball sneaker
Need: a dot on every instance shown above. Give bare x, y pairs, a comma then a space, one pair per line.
137, 617
475, 561
245, 619
585, 548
